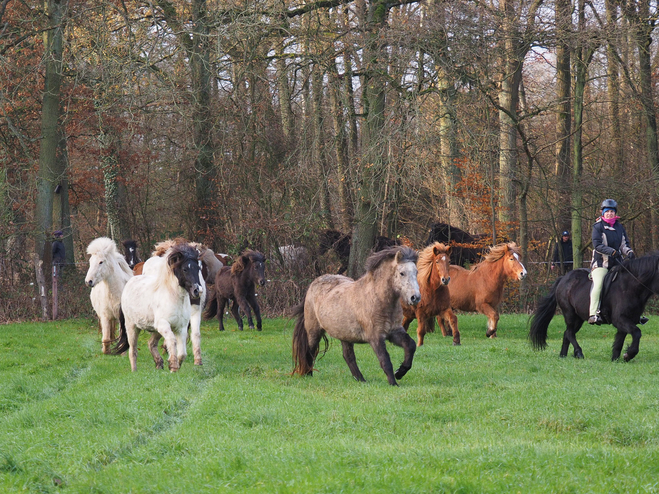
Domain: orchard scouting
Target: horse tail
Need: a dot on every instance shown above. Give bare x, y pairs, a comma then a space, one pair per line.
121, 344
210, 309
542, 317
302, 356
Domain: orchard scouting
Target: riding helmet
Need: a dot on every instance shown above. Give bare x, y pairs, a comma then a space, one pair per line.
609, 204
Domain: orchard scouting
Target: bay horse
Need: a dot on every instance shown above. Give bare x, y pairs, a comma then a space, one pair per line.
480, 289
130, 253
159, 301
237, 283
367, 310
433, 278
107, 276
627, 289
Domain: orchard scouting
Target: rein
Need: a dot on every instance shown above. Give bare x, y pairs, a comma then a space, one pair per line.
639, 281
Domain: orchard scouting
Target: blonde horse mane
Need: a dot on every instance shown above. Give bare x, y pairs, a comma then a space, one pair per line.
498, 251
105, 248
426, 258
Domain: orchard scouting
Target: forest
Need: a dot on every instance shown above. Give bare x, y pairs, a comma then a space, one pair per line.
261, 124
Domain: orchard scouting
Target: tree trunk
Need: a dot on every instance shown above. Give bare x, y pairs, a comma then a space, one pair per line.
47, 176
613, 90
563, 117
318, 145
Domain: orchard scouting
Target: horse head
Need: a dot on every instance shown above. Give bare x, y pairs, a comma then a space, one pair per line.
102, 261
405, 275
513, 266
442, 255
183, 260
132, 258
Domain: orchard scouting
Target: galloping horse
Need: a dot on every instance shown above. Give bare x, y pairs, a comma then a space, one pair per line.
237, 283
480, 289
152, 267
130, 248
627, 290
107, 276
433, 277
160, 303
364, 311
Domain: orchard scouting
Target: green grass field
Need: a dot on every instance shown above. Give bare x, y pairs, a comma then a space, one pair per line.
488, 416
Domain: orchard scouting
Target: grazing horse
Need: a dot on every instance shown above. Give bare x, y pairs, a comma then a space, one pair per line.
628, 288
480, 289
130, 248
364, 311
107, 276
237, 283
159, 301
433, 277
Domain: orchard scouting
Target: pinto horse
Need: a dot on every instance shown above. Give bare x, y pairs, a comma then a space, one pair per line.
159, 301
433, 277
364, 311
237, 283
480, 289
107, 276
627, 290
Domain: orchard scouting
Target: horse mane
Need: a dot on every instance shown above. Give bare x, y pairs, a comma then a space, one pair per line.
426, 259
161, 248
106, 248
377, 258
165, 275
498, 251
642, 268
253, 255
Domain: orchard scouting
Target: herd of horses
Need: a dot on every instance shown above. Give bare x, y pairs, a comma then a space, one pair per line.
183, 282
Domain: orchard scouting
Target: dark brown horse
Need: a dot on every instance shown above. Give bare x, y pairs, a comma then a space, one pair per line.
237, 283
130, 248
480, 289
364, 311
466, 248
433, 277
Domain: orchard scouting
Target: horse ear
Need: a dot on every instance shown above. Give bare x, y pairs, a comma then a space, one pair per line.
174, 258
448, 250
245, 260
399, 256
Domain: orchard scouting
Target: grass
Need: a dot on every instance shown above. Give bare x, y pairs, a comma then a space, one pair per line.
488, 416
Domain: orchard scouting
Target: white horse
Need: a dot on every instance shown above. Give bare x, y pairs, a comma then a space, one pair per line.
107, 276
160, 303
210, 264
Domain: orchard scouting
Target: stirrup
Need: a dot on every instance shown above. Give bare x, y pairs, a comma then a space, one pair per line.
595, 320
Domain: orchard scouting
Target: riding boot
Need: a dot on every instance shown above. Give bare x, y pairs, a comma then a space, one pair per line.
595, 320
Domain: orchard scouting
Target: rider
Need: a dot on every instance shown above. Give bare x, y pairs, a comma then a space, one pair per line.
610, 240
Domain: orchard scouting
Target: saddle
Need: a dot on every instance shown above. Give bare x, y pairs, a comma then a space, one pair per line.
609, 279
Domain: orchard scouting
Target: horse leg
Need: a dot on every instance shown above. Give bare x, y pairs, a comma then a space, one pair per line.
572, 326
153, 348
445, 331
632, 350
402, 339
221, 303
449, 316
244, 305
236, 314
421, 328
618, 342
132, 333
407, 320
181, 344
165, 330
251, 300
351, 360
195, 332
492, 319
380, 348
107, 328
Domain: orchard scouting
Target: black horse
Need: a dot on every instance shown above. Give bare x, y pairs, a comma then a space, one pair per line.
132, 258
341, 242
627, 288
465, 247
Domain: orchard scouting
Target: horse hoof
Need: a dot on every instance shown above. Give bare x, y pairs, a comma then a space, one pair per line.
197, 362
457, 343
578, 355
562, 355
626, 357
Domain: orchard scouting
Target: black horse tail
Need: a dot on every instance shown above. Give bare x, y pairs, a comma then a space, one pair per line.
210, 309
121, 344
542, 317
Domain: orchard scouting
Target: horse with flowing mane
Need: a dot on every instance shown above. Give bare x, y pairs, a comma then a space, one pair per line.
237, 283
107, 276
480, 289
364, 311
433, 277
159, 301
627, 289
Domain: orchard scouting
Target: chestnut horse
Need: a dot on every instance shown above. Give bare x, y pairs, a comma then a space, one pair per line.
480, 289
364, 311
433, 277
237, 283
